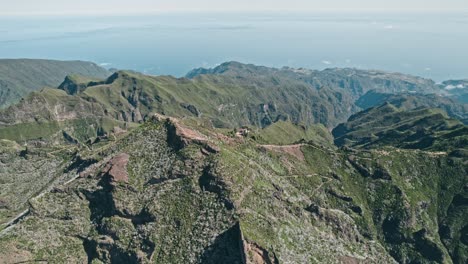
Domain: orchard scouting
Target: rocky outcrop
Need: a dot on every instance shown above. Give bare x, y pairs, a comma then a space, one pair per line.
254, 254
180, 136
72, 86
116, 169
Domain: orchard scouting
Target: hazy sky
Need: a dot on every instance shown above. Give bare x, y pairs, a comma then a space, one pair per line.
12, 7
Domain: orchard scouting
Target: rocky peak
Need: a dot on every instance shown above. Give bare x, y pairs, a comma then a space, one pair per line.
71, 86
75, 84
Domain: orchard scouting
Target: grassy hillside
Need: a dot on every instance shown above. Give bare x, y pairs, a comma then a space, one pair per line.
354, 81
18, 77
387, 125
229, 96
286, 133
410, 101
227, 102
430, 138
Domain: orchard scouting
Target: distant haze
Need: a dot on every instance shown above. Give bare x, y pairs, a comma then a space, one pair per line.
429, 45
24, 7
421, 37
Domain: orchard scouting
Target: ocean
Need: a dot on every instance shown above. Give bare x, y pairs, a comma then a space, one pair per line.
432, 45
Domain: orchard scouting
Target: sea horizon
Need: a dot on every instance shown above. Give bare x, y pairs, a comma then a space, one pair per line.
426, 44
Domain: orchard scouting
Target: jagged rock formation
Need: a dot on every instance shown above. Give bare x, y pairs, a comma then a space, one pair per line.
74, 84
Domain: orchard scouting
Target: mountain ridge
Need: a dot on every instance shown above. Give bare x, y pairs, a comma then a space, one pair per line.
233, 167
18, 77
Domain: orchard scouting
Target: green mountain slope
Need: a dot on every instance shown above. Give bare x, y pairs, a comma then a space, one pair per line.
18, 77
233, 165
188, 206
223, 101
171, 191
421, 128
413, 100
355, 81
387, 129
228, 96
